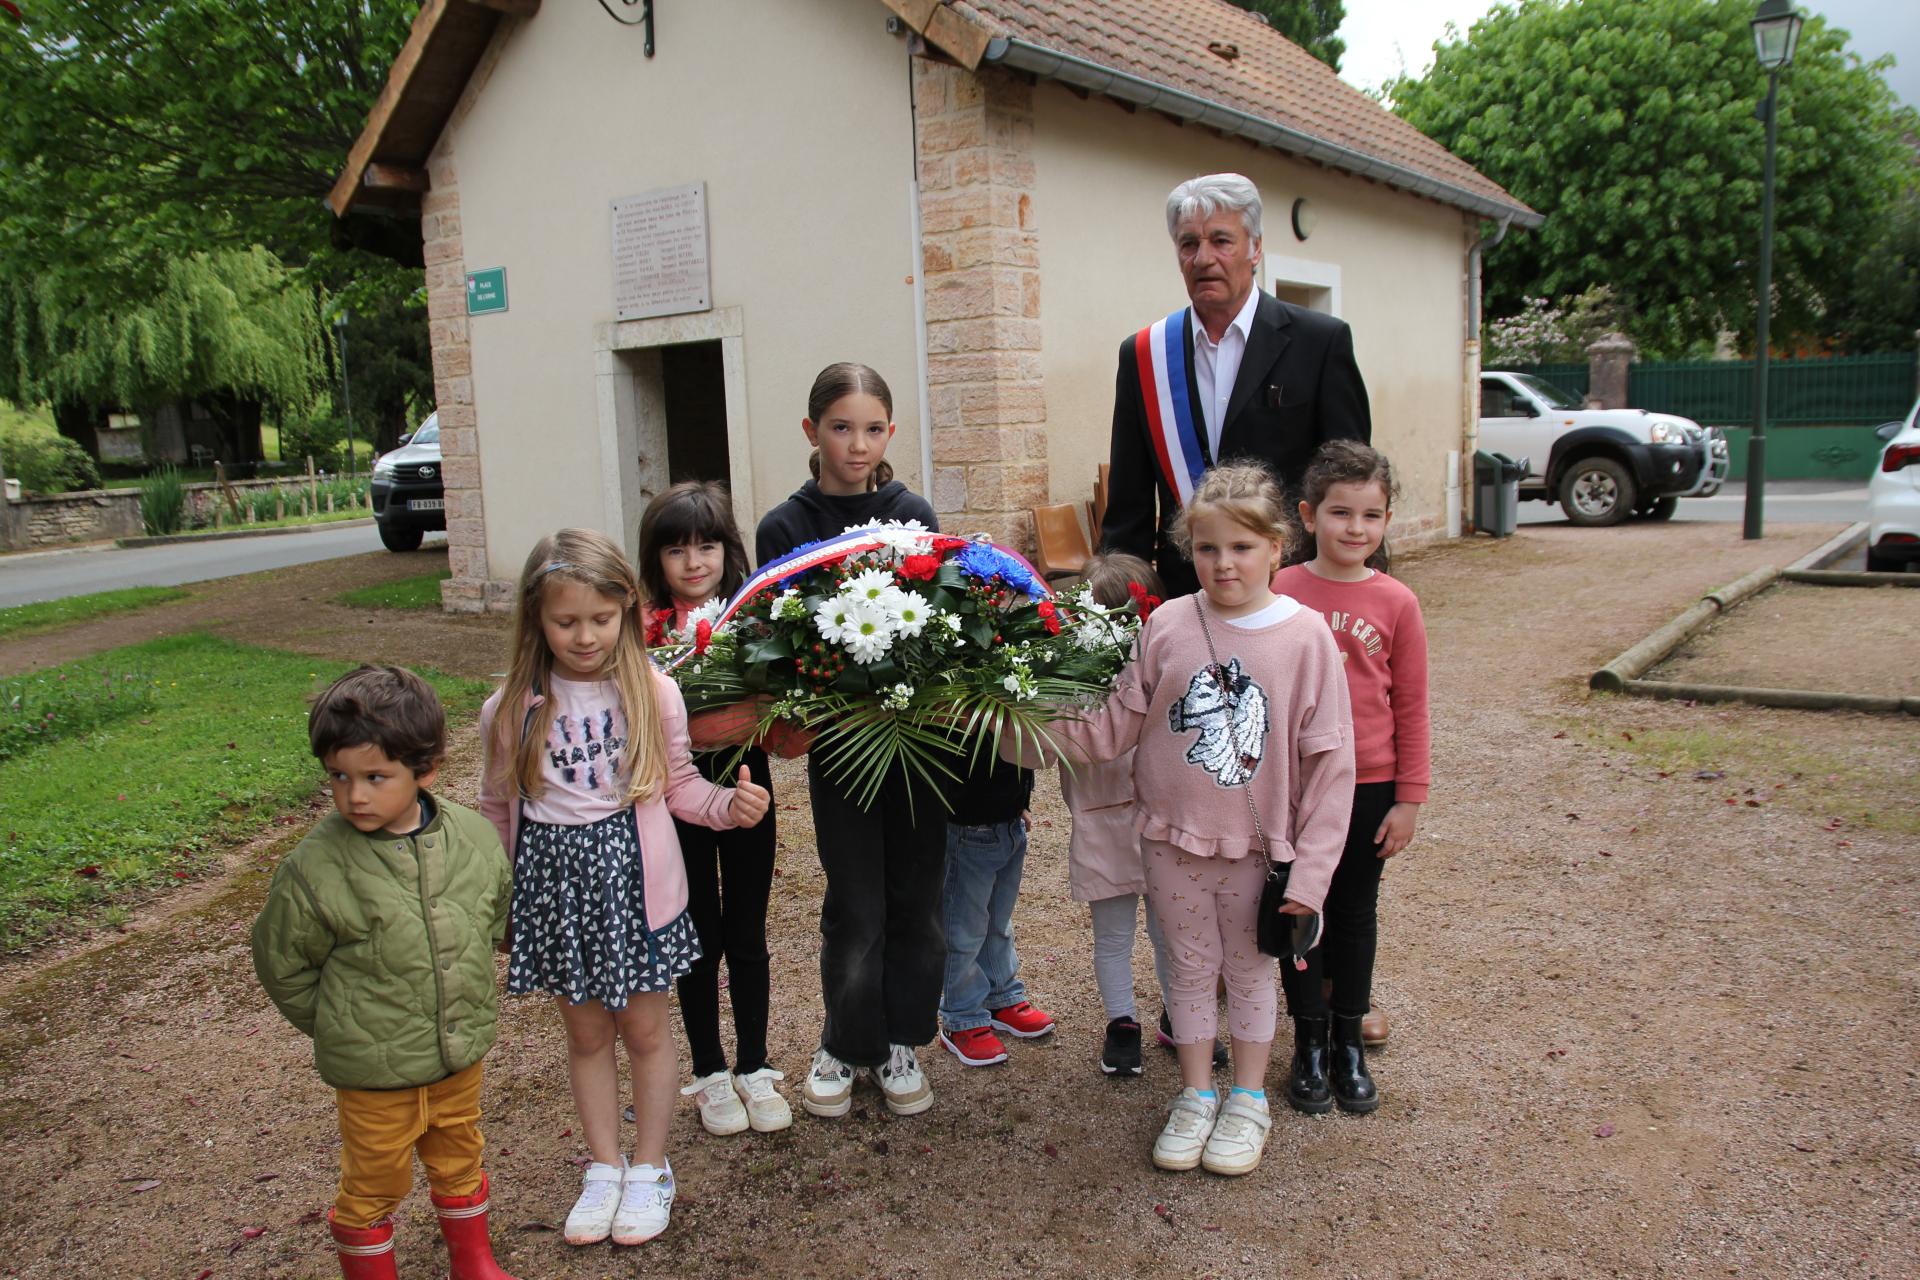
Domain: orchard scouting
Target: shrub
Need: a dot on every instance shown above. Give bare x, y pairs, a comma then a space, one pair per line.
48, 463
322, 439
163, 501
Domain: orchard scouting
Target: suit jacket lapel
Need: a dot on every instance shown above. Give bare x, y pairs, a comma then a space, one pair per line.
1267, 341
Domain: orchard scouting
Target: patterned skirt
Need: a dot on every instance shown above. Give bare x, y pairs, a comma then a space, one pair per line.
579, 916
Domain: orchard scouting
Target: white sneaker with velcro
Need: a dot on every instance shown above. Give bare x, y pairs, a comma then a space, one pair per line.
1189, 1125
765, 1108
591, 1219
646, 1203
720, 1110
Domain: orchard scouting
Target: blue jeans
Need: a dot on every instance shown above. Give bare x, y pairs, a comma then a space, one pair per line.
983, 881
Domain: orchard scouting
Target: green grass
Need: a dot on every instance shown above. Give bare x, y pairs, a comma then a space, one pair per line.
108, 807
49, 614
1853, 788
422, 592
325, 517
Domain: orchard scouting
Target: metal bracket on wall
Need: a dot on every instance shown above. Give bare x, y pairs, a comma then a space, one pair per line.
644, 19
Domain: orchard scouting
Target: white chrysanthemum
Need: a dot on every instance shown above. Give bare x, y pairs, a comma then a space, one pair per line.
708, 612
903, 538
870, 632
788, 606
834, 620
871, 586
909, 610
953, 622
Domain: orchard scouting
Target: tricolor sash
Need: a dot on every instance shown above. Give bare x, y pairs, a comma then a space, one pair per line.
1160, 350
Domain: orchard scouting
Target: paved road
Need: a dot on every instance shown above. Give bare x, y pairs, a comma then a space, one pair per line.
1788, 502
54, 575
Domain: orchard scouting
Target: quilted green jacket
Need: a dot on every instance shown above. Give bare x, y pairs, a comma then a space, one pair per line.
381, 948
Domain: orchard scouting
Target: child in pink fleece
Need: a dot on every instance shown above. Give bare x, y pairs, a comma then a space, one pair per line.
1383, 643
1236, 712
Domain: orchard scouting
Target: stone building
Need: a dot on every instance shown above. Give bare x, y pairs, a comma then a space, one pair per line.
967, 196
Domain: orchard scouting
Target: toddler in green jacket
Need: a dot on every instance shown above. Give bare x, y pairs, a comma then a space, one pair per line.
377, 940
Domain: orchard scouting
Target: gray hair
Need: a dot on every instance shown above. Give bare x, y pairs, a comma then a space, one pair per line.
1216, 192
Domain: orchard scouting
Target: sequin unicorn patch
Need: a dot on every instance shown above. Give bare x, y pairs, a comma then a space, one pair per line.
1231, 716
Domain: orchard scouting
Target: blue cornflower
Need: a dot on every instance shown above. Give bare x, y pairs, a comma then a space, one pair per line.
985, 562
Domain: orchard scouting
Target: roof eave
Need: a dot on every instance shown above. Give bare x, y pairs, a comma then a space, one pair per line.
1010, 51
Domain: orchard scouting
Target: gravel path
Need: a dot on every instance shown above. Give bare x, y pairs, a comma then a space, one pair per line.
1645, 1023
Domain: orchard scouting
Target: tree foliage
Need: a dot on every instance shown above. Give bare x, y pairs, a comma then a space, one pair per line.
149, 153
1631, 125
1311, 24
1878, 308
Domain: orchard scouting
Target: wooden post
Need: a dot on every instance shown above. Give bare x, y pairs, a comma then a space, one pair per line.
226, 487
313, 491
279, 503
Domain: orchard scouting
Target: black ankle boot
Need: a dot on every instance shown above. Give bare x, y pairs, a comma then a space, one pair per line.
1353, 1088
1307, 1088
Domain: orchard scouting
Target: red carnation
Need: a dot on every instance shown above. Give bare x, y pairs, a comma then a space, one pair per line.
920, 568
1143, 602
702, 636
657, 630
1049, 615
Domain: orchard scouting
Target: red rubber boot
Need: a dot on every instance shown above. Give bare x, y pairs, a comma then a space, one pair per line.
463, 1221
366, 1253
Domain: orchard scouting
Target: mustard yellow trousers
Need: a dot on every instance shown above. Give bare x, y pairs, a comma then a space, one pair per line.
380, 1129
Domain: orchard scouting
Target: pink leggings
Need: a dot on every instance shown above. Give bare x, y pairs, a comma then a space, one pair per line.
1206, 908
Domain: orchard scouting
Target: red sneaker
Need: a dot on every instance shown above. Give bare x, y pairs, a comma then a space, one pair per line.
1022, 1020
975, 1047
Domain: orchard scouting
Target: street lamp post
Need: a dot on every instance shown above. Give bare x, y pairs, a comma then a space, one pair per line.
346, 391
1776, 32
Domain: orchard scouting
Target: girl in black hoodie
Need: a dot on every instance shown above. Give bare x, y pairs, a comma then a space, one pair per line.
882, 949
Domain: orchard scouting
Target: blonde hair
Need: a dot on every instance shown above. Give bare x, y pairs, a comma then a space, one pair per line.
1245, 493
593, 560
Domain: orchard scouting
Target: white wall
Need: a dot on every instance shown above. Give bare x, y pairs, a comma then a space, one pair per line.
798, 120
1108, 269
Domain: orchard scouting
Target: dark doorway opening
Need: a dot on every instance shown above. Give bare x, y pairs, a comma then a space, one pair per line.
693, 385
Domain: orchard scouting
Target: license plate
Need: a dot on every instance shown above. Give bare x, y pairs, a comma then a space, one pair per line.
426, 504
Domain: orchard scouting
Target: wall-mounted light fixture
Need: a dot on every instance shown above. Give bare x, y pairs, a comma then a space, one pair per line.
1304, 216
643, 19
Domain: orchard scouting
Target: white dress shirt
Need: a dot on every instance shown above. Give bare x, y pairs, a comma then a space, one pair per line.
1216, 366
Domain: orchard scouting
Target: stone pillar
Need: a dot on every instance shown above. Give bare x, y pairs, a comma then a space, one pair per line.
980, 257
1609, 367
466, 590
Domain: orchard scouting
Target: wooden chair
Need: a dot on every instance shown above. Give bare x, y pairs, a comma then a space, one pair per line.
1097, 509
1060, 548
1093, 525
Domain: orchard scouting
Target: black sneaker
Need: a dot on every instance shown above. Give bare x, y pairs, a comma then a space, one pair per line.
1221, 1058
1120, 1055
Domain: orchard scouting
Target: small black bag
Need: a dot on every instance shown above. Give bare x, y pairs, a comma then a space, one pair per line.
1277, 933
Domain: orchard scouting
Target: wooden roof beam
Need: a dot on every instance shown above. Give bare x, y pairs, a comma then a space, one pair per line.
395, 177
960, 38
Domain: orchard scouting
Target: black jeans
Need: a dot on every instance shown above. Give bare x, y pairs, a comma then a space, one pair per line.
883, 949
1351, 919
729, 876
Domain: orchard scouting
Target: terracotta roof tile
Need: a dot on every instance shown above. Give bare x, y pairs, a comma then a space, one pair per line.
1273, 79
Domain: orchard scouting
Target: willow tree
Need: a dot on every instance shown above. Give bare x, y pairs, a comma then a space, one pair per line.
231, 326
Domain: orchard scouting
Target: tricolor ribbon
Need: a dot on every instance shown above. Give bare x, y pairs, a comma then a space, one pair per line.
1160, 350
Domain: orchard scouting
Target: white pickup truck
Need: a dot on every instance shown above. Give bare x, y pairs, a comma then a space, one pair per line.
1600, 465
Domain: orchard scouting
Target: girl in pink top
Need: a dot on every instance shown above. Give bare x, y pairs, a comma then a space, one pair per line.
587, 765
1236, 713
1376, 622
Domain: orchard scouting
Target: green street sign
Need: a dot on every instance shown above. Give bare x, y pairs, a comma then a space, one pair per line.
486, 291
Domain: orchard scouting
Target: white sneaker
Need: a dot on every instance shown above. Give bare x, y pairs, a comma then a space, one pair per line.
1239, 1136
829, 1088
1189, 1124
763, 1105
720, 1110
904, 1084
591, 1219
646, 1202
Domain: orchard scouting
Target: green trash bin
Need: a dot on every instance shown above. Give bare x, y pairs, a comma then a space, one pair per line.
1496, 492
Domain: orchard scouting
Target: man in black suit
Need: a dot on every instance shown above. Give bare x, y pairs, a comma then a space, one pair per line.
1238, 374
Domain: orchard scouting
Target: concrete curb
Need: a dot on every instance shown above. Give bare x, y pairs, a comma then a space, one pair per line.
227, 535
1834, 548
1850, 578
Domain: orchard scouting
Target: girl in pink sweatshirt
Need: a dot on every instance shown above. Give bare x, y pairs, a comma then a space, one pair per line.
1383, 643
1236, 713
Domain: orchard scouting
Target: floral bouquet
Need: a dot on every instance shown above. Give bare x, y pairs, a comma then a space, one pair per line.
897, 646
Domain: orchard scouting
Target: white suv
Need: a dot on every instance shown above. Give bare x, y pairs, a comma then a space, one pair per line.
1600, 465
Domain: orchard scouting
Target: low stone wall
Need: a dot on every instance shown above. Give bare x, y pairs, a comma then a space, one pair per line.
91, 515
62, 518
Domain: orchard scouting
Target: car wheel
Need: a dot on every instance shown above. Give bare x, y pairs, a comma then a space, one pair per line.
1883, 564
1597, 491
401, 539
1658, 509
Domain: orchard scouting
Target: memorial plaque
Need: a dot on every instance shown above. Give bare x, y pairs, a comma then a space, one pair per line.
660, 253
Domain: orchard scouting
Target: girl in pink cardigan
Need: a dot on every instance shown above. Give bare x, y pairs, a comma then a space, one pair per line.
1236, 713
587, 766
1348, 503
